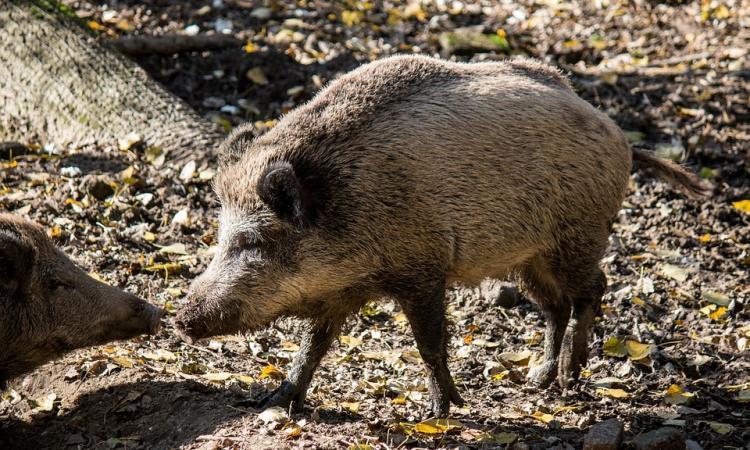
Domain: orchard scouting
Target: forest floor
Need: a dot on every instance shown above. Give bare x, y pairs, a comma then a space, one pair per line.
669, 349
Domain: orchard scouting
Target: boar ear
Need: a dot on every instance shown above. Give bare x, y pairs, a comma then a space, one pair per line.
16, 263
285, 194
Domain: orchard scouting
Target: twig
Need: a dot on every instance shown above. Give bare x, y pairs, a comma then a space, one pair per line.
173, 43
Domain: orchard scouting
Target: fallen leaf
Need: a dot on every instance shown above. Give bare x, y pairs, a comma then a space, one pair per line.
674, 272
351, 341
437, 426
273, 414
716, 298
257, 76
217, 376
517, 358
637, 350
721, 428
123, 361
614, 347
543, 417
351, 18
352, 407
677, 396
174, 249
45, 403
742, 205
270, 371
613, 393
160, 355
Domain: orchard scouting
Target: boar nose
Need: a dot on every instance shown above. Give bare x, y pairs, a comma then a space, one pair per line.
154, 316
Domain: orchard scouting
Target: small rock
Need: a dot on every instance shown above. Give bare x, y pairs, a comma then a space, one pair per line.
692, 445
261, 13
606, 435
665, 438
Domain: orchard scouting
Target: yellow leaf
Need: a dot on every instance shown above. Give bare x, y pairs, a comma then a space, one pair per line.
742, 205
718, 314
613, 347
123, 361
543, 417
415, 10
351, 18
351, 341
292, 430
676, 395
500, 375
637, 350
613, 393
437, 426
96, 26
352, 407
149, 236
270, 371
571, 43
721, 428
705, 239
250, 47
638, 301
400, 400
169, 268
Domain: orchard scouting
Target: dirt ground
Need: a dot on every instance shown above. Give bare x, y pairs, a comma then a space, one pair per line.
670, 347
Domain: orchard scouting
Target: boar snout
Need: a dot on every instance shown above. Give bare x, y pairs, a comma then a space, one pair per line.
202, 318
132, 316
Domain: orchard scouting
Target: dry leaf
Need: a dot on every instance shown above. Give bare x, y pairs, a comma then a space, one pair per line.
613, 393
742, 205
637, 350
437, 426
273, 414
270, 371
352, 407
614, 347
174, 249
543, 417
160, 355
721, 428
677, 396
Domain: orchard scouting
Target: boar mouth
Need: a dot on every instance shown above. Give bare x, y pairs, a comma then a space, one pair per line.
147, 320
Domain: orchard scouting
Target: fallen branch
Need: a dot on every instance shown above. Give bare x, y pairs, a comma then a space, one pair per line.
173, 43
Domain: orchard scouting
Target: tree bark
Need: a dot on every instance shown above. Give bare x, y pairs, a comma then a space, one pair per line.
59, 85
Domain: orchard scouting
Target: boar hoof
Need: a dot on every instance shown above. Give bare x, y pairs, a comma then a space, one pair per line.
288, 394
442, 397
543, 375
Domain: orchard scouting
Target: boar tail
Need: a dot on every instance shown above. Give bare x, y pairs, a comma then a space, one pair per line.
686, 181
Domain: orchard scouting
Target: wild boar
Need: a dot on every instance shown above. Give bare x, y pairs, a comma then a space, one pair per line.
49, 306
406, 176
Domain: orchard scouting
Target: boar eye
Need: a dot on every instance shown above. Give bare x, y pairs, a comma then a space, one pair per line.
56, 283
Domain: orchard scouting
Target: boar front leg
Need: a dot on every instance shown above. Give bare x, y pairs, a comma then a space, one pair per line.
314, 345
425, 310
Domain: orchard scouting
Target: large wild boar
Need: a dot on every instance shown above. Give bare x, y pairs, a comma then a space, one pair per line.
403, 177
49, 306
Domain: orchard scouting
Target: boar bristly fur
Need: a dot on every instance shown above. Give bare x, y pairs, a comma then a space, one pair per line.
402, 178
49, 306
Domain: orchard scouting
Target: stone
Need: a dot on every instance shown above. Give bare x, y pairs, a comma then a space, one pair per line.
665, 438
606, 435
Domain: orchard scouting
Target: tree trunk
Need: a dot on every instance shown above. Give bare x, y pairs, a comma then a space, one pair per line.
58, 84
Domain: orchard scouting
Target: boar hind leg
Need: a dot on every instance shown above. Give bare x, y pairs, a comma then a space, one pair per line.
314, 345
545, 292
575, 350
425, 310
